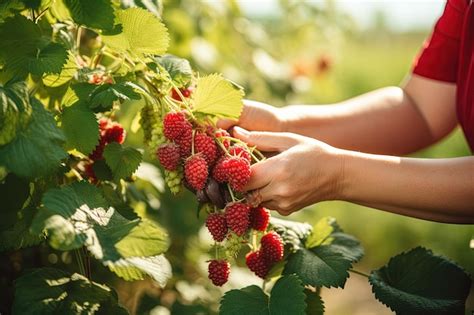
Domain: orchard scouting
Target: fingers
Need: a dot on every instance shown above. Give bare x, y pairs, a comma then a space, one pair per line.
261, 175
266, 141
226, 123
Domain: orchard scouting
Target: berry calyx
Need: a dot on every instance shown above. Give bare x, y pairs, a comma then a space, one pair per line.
271, 247
175, 125
256, 263
217, 226
218, 271
237, 217
205, 145
240, 151
259, 218
168, 155
196, 171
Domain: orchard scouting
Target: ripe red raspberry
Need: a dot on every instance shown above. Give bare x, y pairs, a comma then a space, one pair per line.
256, 263
238, 150
185, 141
271, 247
169, 157
218, 271
217, 226
205, 145
219, 173
196, 171
186, 92
237, 217
238, 172
259, 218
114, 133
175, 125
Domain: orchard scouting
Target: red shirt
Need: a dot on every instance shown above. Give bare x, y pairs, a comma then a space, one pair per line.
449, 56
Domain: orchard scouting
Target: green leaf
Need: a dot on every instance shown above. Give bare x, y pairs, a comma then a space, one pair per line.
54, 291
106, 94
14, 192
142, 33
24, 49
66, 74
122, 161
8, 8
97, 14
154, 6
320, 266
19, 235
218, 97
37, 149
80, 127
78, 215
420, 282
179, 69
287, 296
315, 305
250, 300
322, 231
293, 233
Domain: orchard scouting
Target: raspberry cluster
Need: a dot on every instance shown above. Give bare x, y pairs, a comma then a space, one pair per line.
109, 131
216, 167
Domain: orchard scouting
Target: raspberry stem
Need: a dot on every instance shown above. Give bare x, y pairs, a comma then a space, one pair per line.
254, 241
192, 142
231, 193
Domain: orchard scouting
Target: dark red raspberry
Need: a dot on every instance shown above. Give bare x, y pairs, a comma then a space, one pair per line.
218, 271
89, 172
259, 218
185, 141
168, 155
238, 150
256, 263
271, 247
217, 226
98, 152
205, 145
237, 217
175, 125
238, 172
196, 171
114, 133
219, 173
186, 92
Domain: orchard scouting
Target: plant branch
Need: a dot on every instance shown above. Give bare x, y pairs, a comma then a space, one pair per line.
360, 273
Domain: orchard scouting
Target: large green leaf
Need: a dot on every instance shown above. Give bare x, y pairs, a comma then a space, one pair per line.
80, 127
97, 14
287, 297
106, 94
37, 149
19, 235
66, 74
78, 215
320, 266
420, 282
54, 291
14, 192
141, 33
24, 49
122, 161
179, 69
315, 305
218, 97
293, 233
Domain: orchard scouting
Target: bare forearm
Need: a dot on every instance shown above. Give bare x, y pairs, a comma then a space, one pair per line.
431, 189
384, 121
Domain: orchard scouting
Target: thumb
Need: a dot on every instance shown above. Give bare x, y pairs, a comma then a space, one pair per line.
226, 123
266, 141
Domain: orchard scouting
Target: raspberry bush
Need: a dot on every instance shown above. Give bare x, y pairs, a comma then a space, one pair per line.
71, 179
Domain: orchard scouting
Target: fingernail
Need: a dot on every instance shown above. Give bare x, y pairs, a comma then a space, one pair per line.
242, 131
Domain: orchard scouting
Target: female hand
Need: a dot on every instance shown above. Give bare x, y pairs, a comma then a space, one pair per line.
304, 171
257, 116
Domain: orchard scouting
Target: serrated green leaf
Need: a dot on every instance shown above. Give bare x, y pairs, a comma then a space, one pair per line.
420, 282
66, 74
250, 300
315, 305
122, 161
179, 69
14, 192
19, 235
321, 232
218, 97
106, 94
54, 291
80, 127
320, 266
287, 296
37, 149
78, 215
49, 59
98, 14
141, 33
293, 233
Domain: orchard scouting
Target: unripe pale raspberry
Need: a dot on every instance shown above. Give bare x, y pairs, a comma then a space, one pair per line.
196, 171
237, 217
175, 124
218, 271
217, 226
256, 263
271, 247
259, 217
205, 145
168, 155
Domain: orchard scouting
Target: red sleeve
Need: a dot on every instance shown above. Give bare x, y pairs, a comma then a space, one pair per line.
439, 56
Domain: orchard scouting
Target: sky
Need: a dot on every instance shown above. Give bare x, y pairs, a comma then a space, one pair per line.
402, 15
